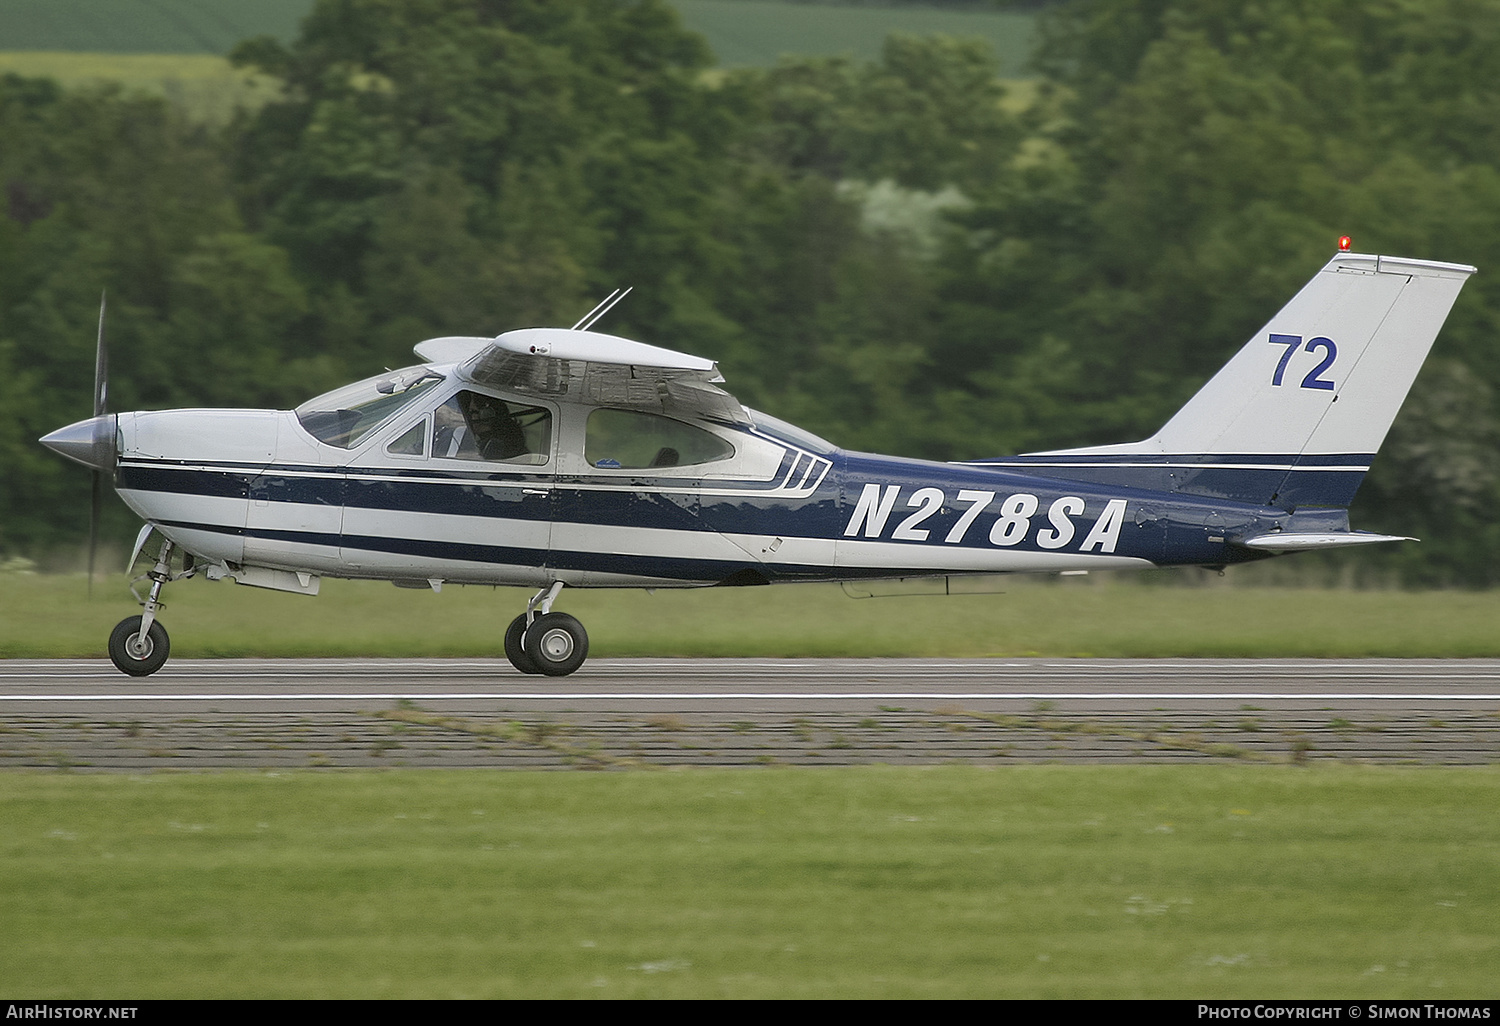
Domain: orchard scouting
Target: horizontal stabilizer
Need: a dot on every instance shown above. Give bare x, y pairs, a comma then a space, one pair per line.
1288, 542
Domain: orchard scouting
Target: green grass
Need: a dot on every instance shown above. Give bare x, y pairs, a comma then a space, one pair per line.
740, 32
173, 48
207, 89
756, 33
1038, 881
49, 616
145, 26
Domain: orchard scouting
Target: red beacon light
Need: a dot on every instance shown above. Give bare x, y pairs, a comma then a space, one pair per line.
1344, 243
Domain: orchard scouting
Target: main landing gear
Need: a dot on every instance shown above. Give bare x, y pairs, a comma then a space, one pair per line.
139, 644
550, 643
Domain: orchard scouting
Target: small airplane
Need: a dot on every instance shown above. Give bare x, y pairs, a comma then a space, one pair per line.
552, 457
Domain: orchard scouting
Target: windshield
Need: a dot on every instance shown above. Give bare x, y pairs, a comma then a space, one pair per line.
345, 415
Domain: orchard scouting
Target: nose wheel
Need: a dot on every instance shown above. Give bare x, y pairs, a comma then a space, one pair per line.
135, 652
548, 643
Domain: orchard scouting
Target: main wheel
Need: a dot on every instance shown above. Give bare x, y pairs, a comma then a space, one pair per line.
137, 656
515, 646
557, 644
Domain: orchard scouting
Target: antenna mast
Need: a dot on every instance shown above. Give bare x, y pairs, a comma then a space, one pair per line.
603, 308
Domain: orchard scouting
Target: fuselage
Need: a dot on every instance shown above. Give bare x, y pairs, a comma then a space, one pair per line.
725, 503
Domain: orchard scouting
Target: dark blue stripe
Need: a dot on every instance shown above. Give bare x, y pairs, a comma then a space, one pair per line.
495, 496
156, 478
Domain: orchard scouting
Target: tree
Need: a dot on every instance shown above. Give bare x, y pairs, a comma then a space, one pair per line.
1206, 156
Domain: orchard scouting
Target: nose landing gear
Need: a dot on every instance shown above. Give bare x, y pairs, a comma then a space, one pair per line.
139, 644
554, 644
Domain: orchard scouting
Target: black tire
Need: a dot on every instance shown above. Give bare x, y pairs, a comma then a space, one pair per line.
139, 661
557, 644
515, 646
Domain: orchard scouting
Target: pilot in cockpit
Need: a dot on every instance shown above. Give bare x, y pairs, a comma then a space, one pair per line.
473, 426
496, 432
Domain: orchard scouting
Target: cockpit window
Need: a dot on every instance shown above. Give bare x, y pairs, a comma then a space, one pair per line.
475, 426
346, 415
630, 439
410, 442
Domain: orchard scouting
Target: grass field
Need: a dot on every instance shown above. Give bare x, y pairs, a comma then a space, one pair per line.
206, 88
740, 32
1037, 881
145, 26
48, 616
756, 33
174, 48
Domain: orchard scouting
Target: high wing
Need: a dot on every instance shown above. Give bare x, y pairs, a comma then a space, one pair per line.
590, 367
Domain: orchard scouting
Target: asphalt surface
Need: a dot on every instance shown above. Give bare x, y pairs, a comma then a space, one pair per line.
213, 714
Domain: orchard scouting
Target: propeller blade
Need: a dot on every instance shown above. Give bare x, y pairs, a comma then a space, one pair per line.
103, 436
101, 365
96, 505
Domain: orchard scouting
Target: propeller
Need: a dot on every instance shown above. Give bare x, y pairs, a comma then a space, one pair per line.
103, 439
92, 442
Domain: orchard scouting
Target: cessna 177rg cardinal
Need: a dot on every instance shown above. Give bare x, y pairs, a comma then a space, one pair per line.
550, 457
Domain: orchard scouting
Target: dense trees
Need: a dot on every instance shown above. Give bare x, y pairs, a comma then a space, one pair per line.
1214, 148
905, 254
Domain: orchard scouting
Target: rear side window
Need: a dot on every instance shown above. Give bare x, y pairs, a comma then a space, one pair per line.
631, 440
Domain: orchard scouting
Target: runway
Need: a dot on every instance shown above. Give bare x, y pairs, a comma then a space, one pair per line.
764, 684
200, 713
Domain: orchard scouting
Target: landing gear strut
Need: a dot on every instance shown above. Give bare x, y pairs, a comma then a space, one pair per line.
554, 644
139, 644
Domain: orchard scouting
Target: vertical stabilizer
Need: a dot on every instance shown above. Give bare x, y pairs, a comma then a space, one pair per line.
1295, 418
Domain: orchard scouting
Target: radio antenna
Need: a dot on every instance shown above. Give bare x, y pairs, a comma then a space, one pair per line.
602, 309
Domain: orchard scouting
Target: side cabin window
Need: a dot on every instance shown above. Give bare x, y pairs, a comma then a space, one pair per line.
630, 439
410, 442
474, 426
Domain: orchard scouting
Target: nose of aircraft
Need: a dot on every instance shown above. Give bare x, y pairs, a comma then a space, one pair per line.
90, 442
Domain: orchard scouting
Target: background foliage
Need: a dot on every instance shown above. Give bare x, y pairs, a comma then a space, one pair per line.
907, 254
